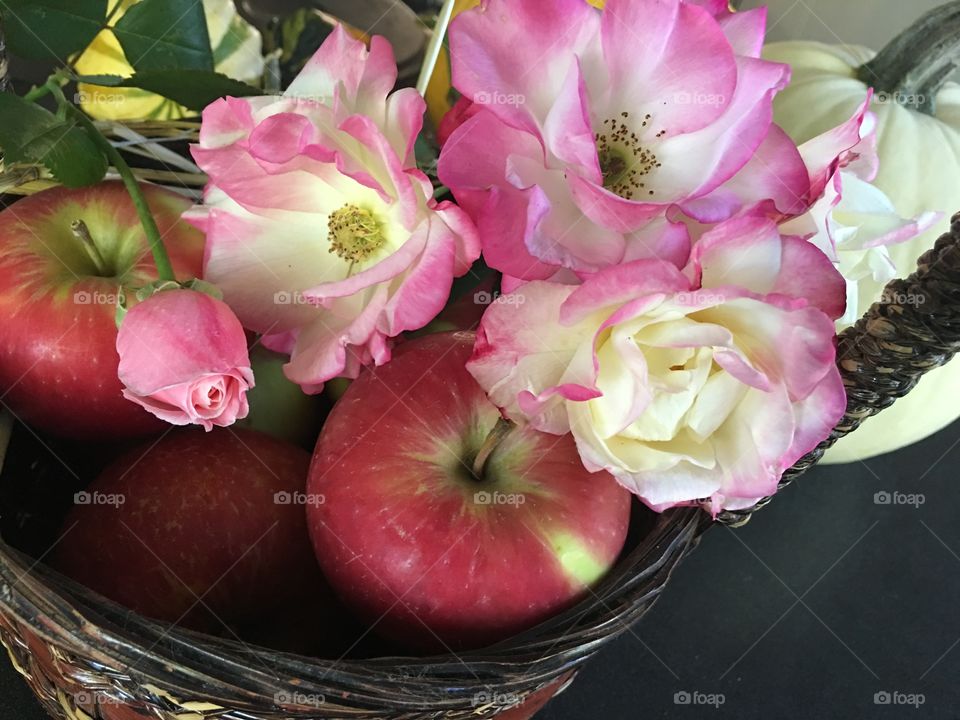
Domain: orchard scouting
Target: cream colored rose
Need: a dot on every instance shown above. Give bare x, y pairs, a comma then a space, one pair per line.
694, 386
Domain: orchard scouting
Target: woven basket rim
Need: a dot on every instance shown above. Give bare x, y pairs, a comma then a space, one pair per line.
81, 622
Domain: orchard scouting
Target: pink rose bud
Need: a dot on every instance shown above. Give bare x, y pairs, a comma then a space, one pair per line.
183, 357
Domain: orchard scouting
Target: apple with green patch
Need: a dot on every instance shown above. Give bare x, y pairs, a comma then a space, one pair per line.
444, 524
65, 258
279, 407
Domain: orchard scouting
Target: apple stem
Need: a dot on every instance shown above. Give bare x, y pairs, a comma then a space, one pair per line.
160, 257
491, 443
82, 233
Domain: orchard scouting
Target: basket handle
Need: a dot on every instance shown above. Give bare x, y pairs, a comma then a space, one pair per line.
913, 329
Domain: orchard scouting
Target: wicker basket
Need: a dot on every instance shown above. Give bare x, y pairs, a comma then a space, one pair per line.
84, 656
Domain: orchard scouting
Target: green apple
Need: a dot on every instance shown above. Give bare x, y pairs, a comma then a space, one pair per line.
278, 406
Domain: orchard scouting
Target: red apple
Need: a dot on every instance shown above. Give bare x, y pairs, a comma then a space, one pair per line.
58, 358
412, 540
218, 516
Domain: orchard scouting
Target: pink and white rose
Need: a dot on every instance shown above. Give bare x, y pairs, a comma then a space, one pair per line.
183, 357
592, 125
699, 385
321, 232
853, 222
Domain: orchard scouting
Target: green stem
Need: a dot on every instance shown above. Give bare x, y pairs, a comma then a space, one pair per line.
57, 80
913, 66
160, 257
37, 93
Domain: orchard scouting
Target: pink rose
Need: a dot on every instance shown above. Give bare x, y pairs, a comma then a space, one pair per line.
321, 232
693, 386
183, 357
592, 127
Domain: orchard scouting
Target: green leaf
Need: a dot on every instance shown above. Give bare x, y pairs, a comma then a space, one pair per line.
204, 287
51, 30
106, 80
157, 286
29, 133
165, 35
121, 312
194, 89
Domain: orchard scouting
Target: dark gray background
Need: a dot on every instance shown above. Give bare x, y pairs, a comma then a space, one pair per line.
824, 599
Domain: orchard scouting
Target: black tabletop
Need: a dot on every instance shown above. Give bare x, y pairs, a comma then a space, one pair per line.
830, 603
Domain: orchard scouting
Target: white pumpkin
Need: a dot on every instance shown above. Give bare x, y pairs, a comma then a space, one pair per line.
919, 171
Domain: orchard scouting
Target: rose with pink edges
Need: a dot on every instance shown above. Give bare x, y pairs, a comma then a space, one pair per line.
596, 128
321, 232
852, 221
693, 386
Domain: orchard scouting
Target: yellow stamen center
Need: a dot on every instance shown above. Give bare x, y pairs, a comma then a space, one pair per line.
354, 233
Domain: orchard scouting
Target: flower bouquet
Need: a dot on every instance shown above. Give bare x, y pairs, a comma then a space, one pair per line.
536, 344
